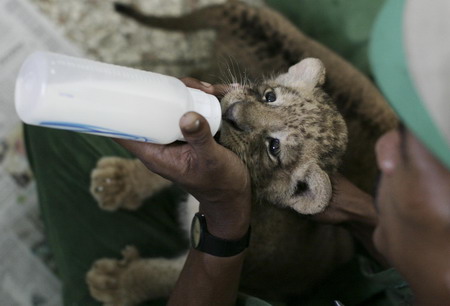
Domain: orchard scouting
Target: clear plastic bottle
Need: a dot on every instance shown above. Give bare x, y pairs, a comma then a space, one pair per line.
82, 95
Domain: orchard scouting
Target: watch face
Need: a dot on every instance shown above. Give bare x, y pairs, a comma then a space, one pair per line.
195, 232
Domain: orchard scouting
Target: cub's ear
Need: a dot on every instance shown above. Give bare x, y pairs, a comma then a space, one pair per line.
310, 189
308, 73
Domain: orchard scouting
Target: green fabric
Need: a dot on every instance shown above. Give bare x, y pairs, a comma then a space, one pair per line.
362, 282
342, 25
79, 232
247, 300
388, 59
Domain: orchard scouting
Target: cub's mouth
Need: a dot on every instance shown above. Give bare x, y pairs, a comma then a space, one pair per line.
232, 124
217, 137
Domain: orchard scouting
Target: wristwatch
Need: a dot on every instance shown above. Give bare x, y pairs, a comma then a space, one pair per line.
202, 240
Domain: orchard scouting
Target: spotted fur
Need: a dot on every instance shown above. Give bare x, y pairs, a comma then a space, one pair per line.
293, 113
263, 42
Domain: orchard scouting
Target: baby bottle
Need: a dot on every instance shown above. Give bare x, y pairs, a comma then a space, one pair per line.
64, 92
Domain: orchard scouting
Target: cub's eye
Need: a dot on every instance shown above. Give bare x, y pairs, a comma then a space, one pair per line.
274, 147
270, 96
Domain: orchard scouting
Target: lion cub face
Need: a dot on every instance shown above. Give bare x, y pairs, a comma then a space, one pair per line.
290, 135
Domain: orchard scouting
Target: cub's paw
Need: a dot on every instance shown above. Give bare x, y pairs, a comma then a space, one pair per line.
113, 184
107, 279
133, 280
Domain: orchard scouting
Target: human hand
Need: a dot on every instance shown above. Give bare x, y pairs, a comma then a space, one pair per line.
211, 173
348, 205
414, 212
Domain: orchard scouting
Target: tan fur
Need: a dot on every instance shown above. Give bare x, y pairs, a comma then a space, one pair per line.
117, 183
301, 113
260, 41
125, 282
288, 254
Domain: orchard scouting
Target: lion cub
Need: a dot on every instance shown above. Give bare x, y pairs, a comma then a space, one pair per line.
290, 135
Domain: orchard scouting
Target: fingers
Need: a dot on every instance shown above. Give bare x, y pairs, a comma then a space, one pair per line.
135, 147
150, 153
197, 84
220, 90
165, 159
216, 90
197, 133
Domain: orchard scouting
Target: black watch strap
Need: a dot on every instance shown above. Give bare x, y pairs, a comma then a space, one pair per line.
204, 241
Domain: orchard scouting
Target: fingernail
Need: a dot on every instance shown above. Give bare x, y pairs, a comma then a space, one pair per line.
387, 165
206, 84
190, 123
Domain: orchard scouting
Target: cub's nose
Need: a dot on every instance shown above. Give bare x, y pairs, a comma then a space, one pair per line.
230, 116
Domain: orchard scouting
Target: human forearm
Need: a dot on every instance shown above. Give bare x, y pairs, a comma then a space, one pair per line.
216, 278
353, 209
361, 220
363, 233
208, 280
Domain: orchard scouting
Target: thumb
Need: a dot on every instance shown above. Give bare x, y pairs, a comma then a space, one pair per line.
196, 132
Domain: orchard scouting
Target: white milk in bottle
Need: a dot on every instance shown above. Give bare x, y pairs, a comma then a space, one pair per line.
82, 95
